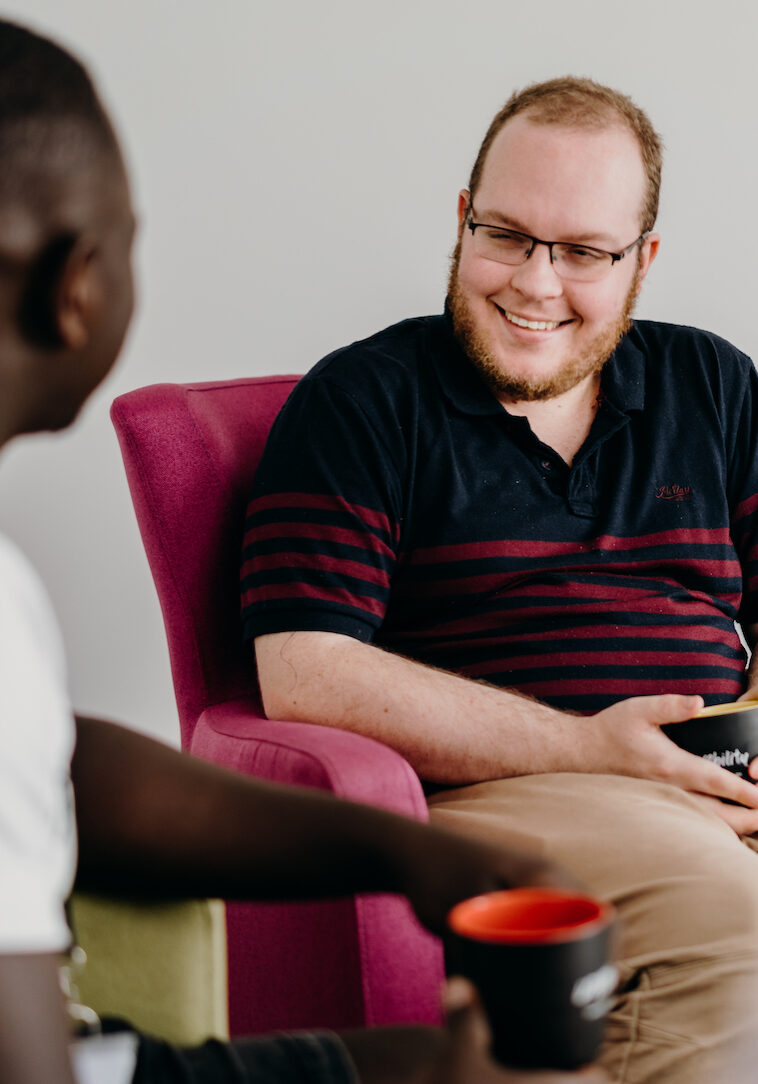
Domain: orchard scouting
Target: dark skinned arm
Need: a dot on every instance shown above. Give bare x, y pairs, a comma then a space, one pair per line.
154, 822
33, 1021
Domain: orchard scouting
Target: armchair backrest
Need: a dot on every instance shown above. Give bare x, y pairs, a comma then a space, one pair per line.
190, 453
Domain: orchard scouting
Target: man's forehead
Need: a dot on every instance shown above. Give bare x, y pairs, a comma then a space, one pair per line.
547, 143
595, 171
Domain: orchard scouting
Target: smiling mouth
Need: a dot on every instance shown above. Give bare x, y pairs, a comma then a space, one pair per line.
532, 325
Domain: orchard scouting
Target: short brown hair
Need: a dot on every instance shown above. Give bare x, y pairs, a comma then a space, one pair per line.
582, 103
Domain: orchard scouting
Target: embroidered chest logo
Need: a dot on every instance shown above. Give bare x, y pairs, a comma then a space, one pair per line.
673, 493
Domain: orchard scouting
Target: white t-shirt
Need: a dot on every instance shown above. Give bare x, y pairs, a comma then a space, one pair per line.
37, 831
37, 827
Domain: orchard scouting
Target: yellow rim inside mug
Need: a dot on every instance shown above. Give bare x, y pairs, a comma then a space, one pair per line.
726, 709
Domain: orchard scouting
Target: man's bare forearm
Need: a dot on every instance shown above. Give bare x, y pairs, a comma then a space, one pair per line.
450, 729
454, 731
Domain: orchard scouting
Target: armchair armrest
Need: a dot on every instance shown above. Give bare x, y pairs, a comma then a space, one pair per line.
334, 963
349, 765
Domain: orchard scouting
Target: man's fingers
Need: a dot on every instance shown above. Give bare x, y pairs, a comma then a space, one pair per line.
466, 1020
470, 1035
467, 1028
667, 707
742, 821
708, 778
457, 994
700, 774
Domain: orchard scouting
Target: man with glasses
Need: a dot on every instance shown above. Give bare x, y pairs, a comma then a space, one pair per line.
512, 541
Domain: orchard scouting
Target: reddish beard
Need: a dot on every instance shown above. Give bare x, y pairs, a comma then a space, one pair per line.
521, 388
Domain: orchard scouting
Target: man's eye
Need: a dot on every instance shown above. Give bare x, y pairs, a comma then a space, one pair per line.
504, 237
583, 255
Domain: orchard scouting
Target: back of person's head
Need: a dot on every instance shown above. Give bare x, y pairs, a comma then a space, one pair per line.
66, 228
573, 102
51, 119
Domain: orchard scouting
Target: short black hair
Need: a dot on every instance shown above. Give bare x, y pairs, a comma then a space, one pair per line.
55, 137
46, 95
40, 79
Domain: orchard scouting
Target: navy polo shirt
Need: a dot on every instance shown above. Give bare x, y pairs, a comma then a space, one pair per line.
399, 503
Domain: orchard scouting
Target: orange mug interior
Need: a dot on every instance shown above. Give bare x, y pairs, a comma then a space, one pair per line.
528, 915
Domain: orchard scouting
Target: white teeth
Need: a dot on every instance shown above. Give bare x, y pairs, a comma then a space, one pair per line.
533, 325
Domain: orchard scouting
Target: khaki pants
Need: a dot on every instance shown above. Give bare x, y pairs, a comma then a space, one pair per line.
686, 890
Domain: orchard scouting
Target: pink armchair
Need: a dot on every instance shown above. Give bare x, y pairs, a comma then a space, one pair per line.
190, 451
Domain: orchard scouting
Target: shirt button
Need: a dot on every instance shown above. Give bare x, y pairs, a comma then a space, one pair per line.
547, 465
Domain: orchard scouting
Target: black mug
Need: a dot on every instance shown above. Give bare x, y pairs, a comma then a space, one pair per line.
727, 734
541, 961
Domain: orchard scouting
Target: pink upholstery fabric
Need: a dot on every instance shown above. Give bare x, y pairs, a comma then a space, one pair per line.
190, 451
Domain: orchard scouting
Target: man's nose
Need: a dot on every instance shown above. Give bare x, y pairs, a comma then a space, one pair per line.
536, 276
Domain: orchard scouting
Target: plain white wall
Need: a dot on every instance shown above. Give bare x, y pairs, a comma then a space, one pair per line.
296, 167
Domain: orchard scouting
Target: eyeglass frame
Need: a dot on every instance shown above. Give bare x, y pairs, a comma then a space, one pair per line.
615, 256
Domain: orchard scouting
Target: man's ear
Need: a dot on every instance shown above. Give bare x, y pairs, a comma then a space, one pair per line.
61, 293
464, 198
77, 294
649, 251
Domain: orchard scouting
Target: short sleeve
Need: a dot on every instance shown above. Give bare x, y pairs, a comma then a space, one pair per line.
37, 835
323, 522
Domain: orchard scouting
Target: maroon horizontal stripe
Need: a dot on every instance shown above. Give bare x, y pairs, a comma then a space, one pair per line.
567, 589
703, 566
634, 686
613, 594
751, 553
665, 604
277, 592
466, 551
317, 562
324, 502
647, 605
318, 532
477, 623
626, 657
746, 507
489, 581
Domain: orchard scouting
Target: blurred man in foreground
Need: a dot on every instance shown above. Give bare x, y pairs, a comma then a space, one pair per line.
151, 820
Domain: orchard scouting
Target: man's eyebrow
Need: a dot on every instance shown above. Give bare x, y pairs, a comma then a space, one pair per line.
592, 240
497, 217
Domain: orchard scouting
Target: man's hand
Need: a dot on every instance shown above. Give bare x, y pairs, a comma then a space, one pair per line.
742, 821
465, 1058
437, 868
626, 739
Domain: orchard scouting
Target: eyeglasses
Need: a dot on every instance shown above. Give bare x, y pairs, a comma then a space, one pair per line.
578, 263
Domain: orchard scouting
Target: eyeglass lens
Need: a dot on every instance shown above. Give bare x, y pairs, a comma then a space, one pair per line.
569, 261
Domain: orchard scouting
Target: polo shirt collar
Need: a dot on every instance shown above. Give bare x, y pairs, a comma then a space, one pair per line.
623, 376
